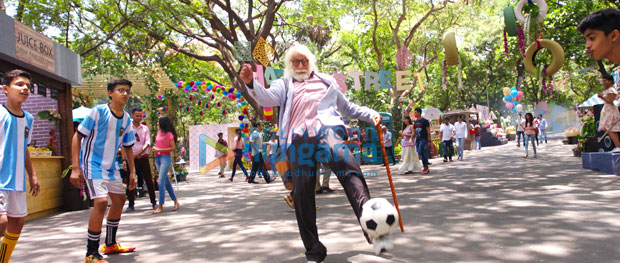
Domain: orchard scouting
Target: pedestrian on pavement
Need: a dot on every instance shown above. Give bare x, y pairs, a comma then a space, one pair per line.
478, 134
221, 150
16, 130
519, 127
309, 102
238, 149
530, 133
141, 159
256, 147
447, 136
461, 132
387, 143
326, 172
536, 124
107, 126
601, 30
423, 138
409, 156
272, 157
164, 146
542, 127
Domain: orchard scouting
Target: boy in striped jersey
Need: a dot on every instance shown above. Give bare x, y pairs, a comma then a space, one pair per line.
15, 128
94, 147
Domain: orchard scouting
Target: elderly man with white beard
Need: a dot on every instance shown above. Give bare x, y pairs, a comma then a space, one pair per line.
312, 132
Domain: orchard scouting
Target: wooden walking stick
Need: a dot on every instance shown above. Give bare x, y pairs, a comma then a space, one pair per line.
389, 174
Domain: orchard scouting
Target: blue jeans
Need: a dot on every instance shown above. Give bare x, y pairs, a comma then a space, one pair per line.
519, 134
527, 139
460, 143
543, 134
163, 163
421, 145
448, 150
478, 146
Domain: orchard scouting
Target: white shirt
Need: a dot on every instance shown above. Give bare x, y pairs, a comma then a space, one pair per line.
461, 129
446, 131
520, 122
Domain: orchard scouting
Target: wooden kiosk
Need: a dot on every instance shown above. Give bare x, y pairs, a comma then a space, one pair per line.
54, 69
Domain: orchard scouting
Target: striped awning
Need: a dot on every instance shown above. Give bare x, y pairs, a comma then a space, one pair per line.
594, 100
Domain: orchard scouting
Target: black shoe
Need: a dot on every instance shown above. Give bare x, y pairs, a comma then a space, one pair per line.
320, 191
252, 182
154, 206
130, 209
327, 189
142, 193
445, 160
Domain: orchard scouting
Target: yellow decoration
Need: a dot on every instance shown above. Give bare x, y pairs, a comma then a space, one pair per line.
263, 51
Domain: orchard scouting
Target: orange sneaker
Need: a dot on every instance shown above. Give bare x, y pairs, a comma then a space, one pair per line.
95, 259
116, 248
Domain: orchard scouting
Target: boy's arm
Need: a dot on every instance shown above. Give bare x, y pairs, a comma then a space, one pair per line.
35, 188
76, 171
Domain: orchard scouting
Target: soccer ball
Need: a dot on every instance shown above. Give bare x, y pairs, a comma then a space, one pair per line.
379, 217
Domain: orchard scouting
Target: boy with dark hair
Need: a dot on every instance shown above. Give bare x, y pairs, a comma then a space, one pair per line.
94, 147
15, 130
602, 32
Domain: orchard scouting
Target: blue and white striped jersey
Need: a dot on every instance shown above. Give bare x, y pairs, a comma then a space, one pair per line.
14, 139
103, 134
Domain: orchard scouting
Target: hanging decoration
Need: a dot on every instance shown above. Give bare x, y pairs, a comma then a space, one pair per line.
403, 57
444, 80
506, 45
207, 86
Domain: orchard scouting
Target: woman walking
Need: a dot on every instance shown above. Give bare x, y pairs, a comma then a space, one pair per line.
410, 159
530, 132
238, 149
164, 145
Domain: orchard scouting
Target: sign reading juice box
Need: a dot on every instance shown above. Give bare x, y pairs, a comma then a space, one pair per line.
34, 48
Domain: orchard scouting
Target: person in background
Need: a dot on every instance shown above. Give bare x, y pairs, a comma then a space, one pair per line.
387, 143
536, 124
542, 127
141, 156
461, 132
478, 134
238, 146
220, 152
423, 138
256, 145
610, 116
530, 132
164, 146
410, 160
447, 136
519, 127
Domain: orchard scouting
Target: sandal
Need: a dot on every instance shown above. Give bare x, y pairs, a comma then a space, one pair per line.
176, 207
158, 210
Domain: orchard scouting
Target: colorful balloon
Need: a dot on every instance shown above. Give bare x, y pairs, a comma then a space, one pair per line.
509, 105
506, 91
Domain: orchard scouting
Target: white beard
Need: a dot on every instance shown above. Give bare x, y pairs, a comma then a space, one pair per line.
301, 75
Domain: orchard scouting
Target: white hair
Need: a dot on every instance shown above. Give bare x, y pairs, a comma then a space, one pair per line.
303, 50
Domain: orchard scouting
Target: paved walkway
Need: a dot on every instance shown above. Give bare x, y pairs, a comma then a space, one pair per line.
493, 207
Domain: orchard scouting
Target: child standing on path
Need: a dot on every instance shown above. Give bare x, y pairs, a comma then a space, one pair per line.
93, 148
15, 130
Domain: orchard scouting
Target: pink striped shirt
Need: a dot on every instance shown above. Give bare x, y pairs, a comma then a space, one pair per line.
306, 97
